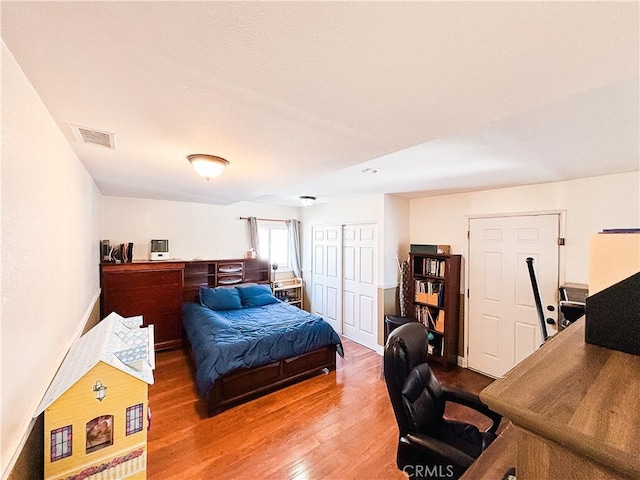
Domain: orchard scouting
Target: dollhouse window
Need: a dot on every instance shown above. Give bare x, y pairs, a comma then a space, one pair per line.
134, 419
61, 442
99, 433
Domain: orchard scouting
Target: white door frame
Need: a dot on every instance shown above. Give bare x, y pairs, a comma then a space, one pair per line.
562, 228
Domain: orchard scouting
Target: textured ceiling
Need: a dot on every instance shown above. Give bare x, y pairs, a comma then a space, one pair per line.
301, 96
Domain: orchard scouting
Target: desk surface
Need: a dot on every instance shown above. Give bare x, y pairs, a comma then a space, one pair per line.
496, 459
584, 397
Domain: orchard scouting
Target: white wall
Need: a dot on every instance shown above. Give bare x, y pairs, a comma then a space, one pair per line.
591, 204
389, 212
194, 230
363, 209
49, 238
395, 232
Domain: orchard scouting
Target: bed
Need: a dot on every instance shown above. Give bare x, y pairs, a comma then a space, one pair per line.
244, 342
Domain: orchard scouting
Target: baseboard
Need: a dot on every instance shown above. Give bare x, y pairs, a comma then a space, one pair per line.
22, 466
91, 317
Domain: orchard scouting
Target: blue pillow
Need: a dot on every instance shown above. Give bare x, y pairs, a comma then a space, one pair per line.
220, 298
257, 296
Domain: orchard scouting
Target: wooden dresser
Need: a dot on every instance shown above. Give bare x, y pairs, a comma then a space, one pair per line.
156, 290
575, 408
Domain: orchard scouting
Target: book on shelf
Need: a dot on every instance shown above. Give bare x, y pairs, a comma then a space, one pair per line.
430, 292
430, 318
432, 322
424, 316
439, 323
433, 266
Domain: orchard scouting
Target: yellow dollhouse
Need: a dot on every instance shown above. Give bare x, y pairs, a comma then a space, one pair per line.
96, 409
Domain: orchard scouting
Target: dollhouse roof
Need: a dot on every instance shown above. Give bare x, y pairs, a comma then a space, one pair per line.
117, 341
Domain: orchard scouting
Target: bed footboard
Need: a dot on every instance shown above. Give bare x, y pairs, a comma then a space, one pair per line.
244, 384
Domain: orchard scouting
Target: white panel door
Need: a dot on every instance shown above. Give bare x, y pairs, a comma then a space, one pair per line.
326, 297
503, 323
359, 284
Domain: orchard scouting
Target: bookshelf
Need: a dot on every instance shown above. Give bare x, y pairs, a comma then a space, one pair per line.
289, 290
220, 273
435, 283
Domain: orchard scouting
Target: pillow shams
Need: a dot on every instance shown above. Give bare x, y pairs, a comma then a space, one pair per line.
220, 298
257, 296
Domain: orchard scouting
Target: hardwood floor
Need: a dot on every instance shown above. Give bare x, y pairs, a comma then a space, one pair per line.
338, 425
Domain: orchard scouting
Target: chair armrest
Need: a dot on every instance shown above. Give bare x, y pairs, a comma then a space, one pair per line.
570, 303
448, 453
473, 401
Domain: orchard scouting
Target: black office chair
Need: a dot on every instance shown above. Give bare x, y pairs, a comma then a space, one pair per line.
428, 444
571, 309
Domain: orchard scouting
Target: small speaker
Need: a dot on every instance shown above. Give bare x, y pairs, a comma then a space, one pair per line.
159, 250
105, 248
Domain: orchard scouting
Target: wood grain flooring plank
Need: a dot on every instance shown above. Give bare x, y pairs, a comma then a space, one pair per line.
336, 425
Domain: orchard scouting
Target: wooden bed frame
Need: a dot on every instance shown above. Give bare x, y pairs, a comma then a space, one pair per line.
246, 383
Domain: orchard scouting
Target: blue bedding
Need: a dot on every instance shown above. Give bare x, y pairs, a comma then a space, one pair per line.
225, 340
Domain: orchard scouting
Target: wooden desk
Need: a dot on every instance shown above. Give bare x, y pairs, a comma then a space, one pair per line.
499, 457
576, 409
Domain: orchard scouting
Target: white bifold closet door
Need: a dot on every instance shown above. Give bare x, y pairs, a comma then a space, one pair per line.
344, 280
359, 290
326, 296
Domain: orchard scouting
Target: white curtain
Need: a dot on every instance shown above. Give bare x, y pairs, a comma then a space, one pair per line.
253, 235
293, 227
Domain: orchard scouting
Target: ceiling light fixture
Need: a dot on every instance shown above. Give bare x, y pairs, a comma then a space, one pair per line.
207, 166
307, 200
371, 170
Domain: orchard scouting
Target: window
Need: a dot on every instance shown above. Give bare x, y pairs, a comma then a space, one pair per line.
99, 433
134, 419
61, 443
274, 243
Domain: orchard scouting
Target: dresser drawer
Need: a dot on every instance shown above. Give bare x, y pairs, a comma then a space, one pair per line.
155, 294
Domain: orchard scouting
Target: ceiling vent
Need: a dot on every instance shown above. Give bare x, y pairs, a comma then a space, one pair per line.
94, 137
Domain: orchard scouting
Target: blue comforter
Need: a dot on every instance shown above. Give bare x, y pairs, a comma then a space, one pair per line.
223, 341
